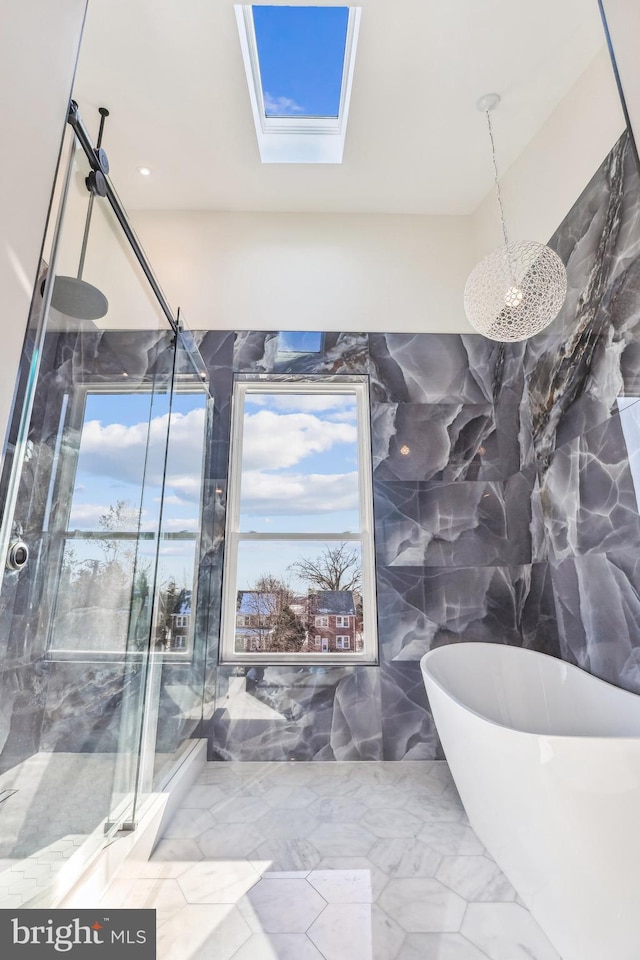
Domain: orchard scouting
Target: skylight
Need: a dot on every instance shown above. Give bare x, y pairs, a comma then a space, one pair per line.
301, 58
299, 62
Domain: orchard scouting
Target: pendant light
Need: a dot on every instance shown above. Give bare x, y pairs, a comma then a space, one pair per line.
518, 289
73, 296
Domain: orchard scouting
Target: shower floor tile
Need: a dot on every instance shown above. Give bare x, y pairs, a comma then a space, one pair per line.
328, 861
36, 843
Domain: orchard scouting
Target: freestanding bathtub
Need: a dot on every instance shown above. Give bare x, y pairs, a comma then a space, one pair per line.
546, 759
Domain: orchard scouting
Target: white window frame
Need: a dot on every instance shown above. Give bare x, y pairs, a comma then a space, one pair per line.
321, 621
297, 139
341, 641
343, 621
357, 387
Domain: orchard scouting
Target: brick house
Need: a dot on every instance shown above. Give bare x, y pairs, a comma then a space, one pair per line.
332, 622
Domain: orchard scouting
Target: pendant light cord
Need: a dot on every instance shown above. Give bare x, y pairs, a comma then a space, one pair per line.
497, 182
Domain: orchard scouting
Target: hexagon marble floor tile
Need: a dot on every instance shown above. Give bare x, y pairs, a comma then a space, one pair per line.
328, 861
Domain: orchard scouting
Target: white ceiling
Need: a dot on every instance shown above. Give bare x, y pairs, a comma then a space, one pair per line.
171, 73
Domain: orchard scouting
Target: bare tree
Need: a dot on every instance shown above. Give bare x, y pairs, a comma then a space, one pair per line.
335, 568
269, 617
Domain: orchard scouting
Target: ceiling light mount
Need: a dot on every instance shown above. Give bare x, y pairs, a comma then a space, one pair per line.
489, 102
518, 289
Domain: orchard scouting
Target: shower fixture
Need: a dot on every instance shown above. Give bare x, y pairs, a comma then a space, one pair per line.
74, 296
518, 289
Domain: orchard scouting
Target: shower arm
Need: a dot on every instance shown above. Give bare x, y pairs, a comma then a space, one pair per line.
96, 159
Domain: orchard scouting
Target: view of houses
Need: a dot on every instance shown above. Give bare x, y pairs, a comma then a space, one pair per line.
324, 621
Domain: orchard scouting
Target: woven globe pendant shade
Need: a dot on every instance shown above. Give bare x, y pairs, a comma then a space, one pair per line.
515, 291
518, 289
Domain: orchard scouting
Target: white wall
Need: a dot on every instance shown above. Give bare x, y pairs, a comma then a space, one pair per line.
311, 271
39, 40
542, 185
623, 21
377, 272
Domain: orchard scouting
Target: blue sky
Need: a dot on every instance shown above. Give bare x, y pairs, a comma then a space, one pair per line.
300, 462
301, 54
111, 467
299, 472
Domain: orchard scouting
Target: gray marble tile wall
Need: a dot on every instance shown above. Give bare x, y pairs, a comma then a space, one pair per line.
586, 504
512, 519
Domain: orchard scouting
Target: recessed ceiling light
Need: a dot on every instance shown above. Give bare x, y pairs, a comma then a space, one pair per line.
144, 171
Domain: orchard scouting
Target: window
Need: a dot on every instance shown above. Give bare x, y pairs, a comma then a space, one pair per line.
299, 547
299, 62
104, 534
343, 643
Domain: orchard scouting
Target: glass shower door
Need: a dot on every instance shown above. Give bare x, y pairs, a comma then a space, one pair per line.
75, 621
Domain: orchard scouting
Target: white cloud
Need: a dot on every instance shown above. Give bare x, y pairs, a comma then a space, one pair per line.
273, 441
298, 494
281, 106
118, 451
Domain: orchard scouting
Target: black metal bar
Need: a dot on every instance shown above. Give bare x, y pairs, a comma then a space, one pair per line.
616, 74
75, 121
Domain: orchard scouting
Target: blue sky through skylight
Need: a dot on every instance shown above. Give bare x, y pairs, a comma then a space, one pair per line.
301, 54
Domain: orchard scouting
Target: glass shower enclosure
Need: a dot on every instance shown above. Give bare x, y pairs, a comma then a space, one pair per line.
102, 671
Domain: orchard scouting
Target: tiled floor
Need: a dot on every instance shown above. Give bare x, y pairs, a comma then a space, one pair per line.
58, 800
341, 861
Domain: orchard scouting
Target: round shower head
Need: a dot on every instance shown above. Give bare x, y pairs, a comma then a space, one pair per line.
79, 299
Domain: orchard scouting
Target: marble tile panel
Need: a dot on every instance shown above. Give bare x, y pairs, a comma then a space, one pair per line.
475, 878
376, 879
388, 936
453, 524
227, 840
297, 824
203, 932
409, 732
574, 368
423, 905
343, 929
342, 353
431, 368
436, 809
278, 946
590, 502
281, 906
402, 622
505, 931
321, 713
285, 856
189, 824
387, 823
445, 442
443, 946
343, 886
597, 634
450, 838
342, 839
217, 881
405, 857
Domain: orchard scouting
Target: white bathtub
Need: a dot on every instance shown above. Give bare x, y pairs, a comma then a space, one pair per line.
547, 762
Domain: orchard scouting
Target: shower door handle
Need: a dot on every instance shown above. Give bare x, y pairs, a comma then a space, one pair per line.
17, 555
